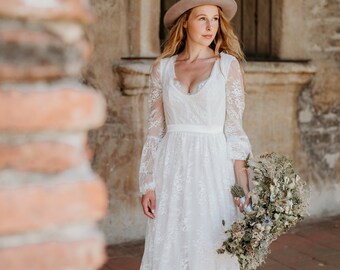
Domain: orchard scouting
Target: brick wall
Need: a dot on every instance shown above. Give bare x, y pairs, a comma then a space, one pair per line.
50, 199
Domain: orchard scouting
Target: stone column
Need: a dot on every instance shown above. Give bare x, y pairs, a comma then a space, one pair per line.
293, 39
144, 28
50, 199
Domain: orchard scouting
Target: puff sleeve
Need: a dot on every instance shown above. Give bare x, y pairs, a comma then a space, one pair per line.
155, 131
237, 139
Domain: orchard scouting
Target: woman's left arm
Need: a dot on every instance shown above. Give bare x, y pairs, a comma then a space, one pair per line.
243, 181
237, 139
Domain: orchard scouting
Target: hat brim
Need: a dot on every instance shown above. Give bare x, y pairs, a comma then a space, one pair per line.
229, 8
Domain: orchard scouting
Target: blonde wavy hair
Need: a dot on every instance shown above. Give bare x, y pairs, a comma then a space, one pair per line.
225, 40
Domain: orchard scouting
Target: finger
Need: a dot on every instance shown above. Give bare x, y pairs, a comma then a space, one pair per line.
237, 201
147, 210
148, 213
145, 207
151, 213
246, 202
153, 205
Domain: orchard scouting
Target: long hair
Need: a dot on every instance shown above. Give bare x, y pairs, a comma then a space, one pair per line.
225, 39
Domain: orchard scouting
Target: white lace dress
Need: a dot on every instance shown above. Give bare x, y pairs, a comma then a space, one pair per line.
187, 159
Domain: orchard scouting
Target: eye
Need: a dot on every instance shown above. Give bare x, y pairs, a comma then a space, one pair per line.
201, 18
216, 19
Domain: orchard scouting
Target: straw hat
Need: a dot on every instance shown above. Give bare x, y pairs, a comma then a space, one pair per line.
229, 8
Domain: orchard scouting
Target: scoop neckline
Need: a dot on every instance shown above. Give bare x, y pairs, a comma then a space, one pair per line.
174, 79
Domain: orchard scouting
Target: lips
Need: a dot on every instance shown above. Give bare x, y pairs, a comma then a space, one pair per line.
207, 36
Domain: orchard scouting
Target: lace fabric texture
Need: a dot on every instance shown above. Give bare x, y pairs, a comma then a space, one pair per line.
187, 159
236, 137
237, 141
155, 133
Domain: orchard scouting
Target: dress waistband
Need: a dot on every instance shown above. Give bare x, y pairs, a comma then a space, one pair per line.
194, 128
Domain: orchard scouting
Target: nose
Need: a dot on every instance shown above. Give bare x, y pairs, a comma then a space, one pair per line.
208, 25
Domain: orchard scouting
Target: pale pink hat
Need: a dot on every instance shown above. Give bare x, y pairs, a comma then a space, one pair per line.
229, 8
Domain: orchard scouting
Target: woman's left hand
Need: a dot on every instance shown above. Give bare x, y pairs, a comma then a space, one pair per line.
240, 205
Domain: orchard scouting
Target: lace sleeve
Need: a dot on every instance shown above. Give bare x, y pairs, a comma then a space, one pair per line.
237, 139
155, 132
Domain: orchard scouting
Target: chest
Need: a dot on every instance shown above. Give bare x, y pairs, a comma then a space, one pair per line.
189, 75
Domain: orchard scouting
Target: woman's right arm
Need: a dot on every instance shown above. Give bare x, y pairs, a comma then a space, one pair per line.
155, 133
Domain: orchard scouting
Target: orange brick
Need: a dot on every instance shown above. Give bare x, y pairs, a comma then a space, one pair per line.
75, 10
14, 73
24, 36
16, 66
44, 157
46, 205
70, 109
83, 254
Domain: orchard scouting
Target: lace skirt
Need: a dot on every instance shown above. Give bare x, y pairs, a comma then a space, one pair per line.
193, 175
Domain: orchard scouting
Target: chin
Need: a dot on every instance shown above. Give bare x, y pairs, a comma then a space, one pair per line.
207, 44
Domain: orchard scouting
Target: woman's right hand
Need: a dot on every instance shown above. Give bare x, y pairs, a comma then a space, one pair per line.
149, 203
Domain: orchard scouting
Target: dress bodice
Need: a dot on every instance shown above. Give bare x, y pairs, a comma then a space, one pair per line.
216, 108
205, 107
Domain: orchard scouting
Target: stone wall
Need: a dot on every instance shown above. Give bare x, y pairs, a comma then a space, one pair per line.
319, 105
50, 199
117, 32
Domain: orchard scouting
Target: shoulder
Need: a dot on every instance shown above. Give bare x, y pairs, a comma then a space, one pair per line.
165, 60
165, 64
227, 58
155, 68
160, 68
228, 64
161, 61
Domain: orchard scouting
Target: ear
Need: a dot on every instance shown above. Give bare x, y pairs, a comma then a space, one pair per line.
185, 25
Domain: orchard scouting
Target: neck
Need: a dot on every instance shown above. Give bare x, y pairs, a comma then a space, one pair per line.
192, 53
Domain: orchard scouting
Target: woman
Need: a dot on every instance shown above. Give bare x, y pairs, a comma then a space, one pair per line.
195, 146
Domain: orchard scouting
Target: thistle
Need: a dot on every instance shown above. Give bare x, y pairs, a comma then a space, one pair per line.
237, 191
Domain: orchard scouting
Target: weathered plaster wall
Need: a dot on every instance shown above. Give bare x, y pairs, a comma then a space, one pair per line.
117, 145
310, 31
109, 38
319, 105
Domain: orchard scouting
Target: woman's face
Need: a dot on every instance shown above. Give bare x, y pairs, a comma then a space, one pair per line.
202, 25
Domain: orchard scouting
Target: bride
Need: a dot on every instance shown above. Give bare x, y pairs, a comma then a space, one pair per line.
196, 147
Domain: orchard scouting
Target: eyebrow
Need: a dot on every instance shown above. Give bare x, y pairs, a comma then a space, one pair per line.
202, 14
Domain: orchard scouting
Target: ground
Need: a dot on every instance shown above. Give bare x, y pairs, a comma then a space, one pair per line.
311, 245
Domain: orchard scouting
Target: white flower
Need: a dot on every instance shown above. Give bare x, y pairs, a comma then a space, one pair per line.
272, 198
289, 194
291, 185
268, 228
